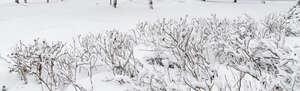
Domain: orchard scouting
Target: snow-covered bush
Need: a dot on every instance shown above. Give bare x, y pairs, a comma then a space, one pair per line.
112, 48
55, 65
259, 52
187, 42
49, 63
199, 45
293, 18
199, 54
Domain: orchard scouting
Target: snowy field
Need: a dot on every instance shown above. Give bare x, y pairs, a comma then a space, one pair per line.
62, 21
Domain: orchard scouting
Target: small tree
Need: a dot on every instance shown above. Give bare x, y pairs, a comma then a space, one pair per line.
115, 3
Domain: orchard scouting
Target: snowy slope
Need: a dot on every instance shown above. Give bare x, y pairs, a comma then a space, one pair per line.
64, 20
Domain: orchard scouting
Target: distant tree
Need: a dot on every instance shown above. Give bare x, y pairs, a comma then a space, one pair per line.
25, 1
263, 1
4, 88
115, 3
18, 2
151, 4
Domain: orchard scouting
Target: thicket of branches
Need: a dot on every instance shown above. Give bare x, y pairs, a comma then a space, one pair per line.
201, 45
56, 64
293, 18
49, 63
200, 54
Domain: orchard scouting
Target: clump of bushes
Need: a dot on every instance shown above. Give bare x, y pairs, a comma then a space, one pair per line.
201, 54
200, 45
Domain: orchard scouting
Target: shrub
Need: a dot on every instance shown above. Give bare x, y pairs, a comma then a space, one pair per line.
200, 54
245, 45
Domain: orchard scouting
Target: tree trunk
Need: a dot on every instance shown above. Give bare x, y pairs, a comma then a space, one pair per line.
25, 1
115, 3
235, 1
17, 1
23, 75
263, 1
40, 70
48, 1
151, 4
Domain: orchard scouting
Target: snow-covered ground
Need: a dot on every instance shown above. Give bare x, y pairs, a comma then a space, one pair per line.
64, 20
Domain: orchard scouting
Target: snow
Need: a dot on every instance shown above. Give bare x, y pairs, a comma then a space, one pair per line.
101, 82
64, 20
